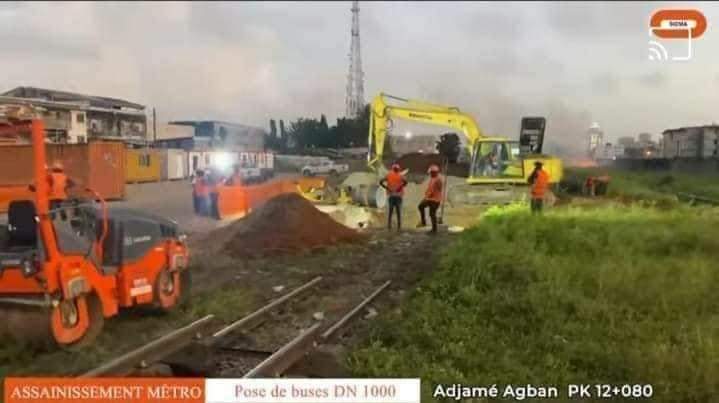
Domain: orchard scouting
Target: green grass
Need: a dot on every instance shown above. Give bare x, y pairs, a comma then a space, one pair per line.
609, 295
655, 186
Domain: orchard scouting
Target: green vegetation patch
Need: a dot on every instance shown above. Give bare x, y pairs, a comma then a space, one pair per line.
608, 295
652, 185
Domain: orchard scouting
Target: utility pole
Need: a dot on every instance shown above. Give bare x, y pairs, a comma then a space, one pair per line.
354, 102
154, 126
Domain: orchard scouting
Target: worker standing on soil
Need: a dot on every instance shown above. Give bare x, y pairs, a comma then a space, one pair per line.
539, 179
200, 193
432, 198
394, 183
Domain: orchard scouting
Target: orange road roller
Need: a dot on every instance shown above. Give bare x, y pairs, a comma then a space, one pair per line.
64, 270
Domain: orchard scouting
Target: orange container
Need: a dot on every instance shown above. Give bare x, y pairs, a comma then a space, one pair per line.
97, 165
236, 201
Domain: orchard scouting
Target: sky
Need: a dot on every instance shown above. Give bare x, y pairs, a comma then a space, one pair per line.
574, 63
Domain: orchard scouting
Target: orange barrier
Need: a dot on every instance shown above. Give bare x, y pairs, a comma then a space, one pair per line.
236, 201
13, 192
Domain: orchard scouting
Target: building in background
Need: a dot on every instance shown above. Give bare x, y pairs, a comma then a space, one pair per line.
174, 136
211, 134
76, 118
595, 138
698, 142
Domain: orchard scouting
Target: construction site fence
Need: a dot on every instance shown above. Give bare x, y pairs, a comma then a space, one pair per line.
236, 201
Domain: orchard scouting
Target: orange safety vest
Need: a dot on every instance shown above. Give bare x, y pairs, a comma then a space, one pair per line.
58, 183
200, 187
394, 183
434, 189
540, 185
236, 180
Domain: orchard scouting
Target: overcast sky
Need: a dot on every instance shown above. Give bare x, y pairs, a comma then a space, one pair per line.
574, 63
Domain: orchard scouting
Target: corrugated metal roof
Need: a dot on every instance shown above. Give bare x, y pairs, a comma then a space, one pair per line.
691, 127
65, 96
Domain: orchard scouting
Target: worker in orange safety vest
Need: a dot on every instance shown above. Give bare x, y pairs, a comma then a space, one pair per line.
539, 181
236, 178
394, 183
432, 198
200, 193
59, 184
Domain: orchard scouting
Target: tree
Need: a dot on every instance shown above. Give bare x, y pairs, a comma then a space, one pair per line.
283, 136
316, 133
273, 128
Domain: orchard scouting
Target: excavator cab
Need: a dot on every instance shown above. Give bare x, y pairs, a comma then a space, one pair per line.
495, 158
64, 269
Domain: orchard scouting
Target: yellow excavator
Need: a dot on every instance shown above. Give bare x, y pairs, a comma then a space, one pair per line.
499, 168
498, 171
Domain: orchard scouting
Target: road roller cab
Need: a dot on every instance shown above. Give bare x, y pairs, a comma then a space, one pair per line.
62, 271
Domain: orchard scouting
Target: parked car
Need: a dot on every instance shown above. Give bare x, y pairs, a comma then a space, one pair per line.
324, 168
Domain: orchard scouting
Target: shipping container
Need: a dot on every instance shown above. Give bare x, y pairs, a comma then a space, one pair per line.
99, 166
143, 165
174, 164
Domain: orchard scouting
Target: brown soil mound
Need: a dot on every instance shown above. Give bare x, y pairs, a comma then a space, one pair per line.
286, 223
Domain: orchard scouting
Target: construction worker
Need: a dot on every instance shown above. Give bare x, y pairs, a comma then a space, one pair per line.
394, 183
213, 180
59, 184
200, 193
432, 198
236, 178
539, 179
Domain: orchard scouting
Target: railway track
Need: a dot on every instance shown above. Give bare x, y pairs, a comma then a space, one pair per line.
202, 348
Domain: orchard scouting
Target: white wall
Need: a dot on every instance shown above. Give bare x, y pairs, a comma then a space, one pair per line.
78, 127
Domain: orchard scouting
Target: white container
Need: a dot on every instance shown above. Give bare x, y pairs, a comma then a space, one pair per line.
174, 164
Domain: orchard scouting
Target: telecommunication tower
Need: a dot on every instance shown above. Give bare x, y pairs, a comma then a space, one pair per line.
354, 101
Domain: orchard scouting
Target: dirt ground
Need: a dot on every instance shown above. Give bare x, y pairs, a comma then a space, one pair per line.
350, 273
232, 287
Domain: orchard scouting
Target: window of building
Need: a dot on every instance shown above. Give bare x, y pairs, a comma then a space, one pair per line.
144, 160
80, 118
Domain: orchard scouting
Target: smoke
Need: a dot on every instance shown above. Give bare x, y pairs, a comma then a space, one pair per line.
499, 113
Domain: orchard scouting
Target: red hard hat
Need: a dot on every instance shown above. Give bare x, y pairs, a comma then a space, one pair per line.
433, 168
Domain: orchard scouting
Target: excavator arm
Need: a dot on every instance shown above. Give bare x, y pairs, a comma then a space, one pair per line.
382, 115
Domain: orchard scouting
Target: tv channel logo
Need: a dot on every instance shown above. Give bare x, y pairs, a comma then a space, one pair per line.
674, 25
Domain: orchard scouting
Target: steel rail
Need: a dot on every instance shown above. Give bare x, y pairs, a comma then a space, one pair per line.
286, 356
163, 346
181, 338
351, 314
258, 313
289, 354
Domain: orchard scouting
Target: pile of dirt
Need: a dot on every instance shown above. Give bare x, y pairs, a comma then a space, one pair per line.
287, 223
